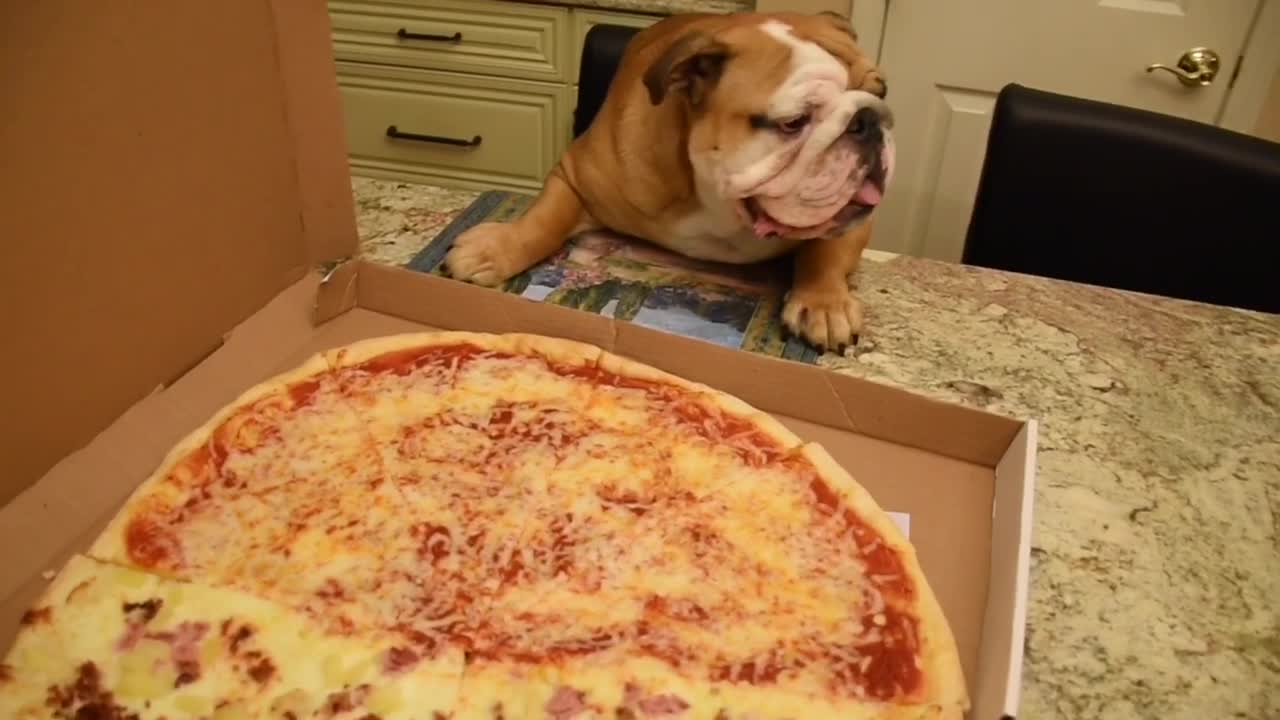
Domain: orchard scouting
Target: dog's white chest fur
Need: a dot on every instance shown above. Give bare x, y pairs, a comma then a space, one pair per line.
716, 233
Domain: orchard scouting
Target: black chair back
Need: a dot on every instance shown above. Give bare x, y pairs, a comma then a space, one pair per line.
1098, 193
601, 54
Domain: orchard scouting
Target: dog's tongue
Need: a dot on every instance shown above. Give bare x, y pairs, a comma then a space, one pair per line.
869, 194
765, 226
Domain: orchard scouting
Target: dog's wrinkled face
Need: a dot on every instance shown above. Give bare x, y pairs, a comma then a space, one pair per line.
789, 122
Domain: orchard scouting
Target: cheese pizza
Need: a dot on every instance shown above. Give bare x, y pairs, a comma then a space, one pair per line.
114, 643
520, 527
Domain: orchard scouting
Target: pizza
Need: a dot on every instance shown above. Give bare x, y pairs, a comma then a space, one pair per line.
116, 643
492, 527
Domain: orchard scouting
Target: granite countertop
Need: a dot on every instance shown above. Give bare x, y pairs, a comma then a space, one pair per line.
1156, 547
657, 7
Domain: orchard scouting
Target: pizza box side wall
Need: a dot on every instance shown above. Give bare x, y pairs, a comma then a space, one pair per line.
169, 168
808, 391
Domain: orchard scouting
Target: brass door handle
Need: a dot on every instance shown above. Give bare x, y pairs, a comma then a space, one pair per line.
1197, 66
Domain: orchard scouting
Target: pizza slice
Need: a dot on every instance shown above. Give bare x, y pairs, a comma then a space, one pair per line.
708, 565
280, 494
243, 484
111, 642
463, 425
705, 614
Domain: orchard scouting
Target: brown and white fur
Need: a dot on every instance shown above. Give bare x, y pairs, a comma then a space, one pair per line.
710, 119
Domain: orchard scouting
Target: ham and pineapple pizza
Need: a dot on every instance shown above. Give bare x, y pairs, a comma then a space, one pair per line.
112, 643
524, 527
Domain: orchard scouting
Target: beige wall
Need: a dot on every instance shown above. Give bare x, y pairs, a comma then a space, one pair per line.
1269, 118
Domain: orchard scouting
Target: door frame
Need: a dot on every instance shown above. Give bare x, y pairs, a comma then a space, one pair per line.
1258, 74
869, 17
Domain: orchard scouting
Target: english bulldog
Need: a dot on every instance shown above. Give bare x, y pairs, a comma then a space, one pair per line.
734, 138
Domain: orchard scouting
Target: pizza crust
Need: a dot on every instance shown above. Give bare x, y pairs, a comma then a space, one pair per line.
567, 352
727, 403
362, 350
764, 422
943, 676
559, 350
552, 349
110, 544
626, 367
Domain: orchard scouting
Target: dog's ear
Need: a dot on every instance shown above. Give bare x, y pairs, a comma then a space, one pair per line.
867, 76
840, 23
691, 65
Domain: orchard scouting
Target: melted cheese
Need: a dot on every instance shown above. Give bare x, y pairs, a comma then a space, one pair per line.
241, 656
529, 517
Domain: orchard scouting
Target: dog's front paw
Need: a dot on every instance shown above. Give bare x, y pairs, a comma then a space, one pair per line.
482, 254
829, 317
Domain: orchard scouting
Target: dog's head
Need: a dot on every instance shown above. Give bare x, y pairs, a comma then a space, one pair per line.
787, 119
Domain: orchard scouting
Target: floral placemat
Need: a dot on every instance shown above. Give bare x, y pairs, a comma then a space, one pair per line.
627, 279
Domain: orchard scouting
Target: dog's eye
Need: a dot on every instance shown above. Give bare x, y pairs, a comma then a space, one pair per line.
793, 125
786, 126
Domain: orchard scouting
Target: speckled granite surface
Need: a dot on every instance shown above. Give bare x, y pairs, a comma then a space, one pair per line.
1155, 589
657, 7
396, 219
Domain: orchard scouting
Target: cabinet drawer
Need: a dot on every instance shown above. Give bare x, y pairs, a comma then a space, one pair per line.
493, 38
439, 115
584, 20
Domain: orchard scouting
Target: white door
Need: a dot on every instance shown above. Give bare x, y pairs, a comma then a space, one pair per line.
945, 60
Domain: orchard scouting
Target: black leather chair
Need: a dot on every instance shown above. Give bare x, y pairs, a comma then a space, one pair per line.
601, 53
1108, 195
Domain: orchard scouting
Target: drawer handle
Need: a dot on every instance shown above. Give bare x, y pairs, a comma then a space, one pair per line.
393, 132
406, 35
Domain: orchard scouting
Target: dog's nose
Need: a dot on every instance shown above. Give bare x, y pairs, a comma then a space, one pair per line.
864, 126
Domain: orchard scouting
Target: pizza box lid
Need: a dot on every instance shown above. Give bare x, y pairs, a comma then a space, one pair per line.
180, 225
169, 167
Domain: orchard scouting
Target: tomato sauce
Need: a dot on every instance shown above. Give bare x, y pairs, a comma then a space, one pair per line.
597, 376
751, 672
434, 541
658, 646
399, 659
706, 421
891, 670
562, 544
883, 564
404, 362
303, 393
150, 544
677, 609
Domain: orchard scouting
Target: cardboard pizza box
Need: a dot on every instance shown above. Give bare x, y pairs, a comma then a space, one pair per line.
178, 225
